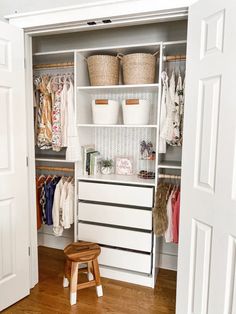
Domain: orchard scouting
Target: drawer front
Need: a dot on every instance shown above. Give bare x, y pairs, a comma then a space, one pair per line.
116, 194
120, 216
134, 240
125, 260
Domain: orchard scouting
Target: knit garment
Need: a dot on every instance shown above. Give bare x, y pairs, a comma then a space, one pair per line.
160, 219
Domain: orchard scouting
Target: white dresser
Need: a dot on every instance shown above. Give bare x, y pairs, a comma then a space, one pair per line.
119, 218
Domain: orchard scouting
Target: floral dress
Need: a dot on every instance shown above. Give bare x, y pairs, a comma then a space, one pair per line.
56, 120
44, 117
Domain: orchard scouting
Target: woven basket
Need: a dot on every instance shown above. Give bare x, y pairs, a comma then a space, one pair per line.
103, 70
139, 68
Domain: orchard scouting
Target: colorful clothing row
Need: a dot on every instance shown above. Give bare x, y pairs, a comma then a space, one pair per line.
172, 111
166, 212
55, 202
54, 114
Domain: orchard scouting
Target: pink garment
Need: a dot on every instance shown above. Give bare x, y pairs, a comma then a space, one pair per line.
175, 217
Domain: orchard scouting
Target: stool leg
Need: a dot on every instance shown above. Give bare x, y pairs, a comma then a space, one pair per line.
73, 283
97, 278
65, 278
90, 271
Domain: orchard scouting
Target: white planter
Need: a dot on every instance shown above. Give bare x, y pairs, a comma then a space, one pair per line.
135, 111
105, 111
106, 170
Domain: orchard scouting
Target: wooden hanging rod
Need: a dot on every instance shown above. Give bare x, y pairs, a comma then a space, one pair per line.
54, 65
169, 176
48, 168
174, 58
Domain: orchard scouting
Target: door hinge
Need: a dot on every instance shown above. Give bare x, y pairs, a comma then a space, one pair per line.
29, 250
27, 161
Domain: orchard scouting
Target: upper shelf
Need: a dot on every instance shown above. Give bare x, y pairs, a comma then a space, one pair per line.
149, 88
170, 164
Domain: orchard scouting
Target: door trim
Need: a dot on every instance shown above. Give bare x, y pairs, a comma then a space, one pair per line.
121, 13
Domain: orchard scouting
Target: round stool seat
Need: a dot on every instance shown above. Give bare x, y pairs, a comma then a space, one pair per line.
82, 251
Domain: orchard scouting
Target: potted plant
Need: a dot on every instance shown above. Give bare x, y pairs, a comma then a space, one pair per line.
106, 166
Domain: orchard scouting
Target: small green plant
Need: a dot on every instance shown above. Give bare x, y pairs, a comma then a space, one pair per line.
107, 163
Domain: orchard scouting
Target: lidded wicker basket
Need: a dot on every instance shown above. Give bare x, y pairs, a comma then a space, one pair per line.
103, 70
139, 68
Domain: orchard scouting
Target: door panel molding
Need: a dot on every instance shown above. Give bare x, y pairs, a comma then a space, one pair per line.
201, 240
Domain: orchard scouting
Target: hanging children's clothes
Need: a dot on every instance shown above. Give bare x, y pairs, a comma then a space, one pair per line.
56, 121
44, 115
168, 131
49, 194
53, 97
172, 112
63, 206
166, 212
39, 183
43, 199
56, 212
176, 210
67, 204
160, 219
64, 114
164, 101
169, 230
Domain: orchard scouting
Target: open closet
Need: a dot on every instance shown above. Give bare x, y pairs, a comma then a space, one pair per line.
114, 210
123, 175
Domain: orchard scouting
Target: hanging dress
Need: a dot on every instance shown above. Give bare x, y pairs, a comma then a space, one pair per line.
56, 120
44, 115
68, 206
160, 220
169, 231
164, 100
64, 115
56, 209
167, 131
178, 113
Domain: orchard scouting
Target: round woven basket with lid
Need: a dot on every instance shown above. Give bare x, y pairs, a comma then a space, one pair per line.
103, 70
139, 68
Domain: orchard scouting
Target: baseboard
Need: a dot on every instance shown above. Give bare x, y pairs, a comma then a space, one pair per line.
168, 261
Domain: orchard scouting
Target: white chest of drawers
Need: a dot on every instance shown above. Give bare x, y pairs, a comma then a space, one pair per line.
119, 218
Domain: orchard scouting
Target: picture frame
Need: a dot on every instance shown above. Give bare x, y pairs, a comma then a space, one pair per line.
124, 165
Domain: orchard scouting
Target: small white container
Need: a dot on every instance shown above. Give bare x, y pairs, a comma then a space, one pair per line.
135, 111
105, 111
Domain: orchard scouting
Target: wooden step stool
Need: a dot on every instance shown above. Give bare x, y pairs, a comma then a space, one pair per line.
82, 253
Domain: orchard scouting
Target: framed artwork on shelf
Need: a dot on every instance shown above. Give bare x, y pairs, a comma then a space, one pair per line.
124, 165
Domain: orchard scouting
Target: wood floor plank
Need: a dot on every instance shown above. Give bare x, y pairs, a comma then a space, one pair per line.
119, 298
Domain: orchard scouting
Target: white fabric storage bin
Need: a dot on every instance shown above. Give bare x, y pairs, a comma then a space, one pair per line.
105, 111
135, 111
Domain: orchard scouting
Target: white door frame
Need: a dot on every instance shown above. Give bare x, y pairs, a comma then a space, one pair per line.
162, 12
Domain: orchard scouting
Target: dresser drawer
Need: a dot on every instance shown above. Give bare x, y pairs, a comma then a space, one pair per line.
134, 240
116, 194
126, 260
113, 215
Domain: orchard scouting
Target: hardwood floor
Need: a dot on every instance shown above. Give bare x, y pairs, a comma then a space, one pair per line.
119, 298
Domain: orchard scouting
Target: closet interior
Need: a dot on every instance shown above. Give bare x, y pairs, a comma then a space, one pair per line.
113, 210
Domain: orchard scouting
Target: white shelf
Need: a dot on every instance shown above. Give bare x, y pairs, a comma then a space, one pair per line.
54, 160
150, 88
170, 165
117, 125
114, 178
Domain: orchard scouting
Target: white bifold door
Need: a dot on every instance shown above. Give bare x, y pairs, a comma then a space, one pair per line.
207, 250
14, 215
